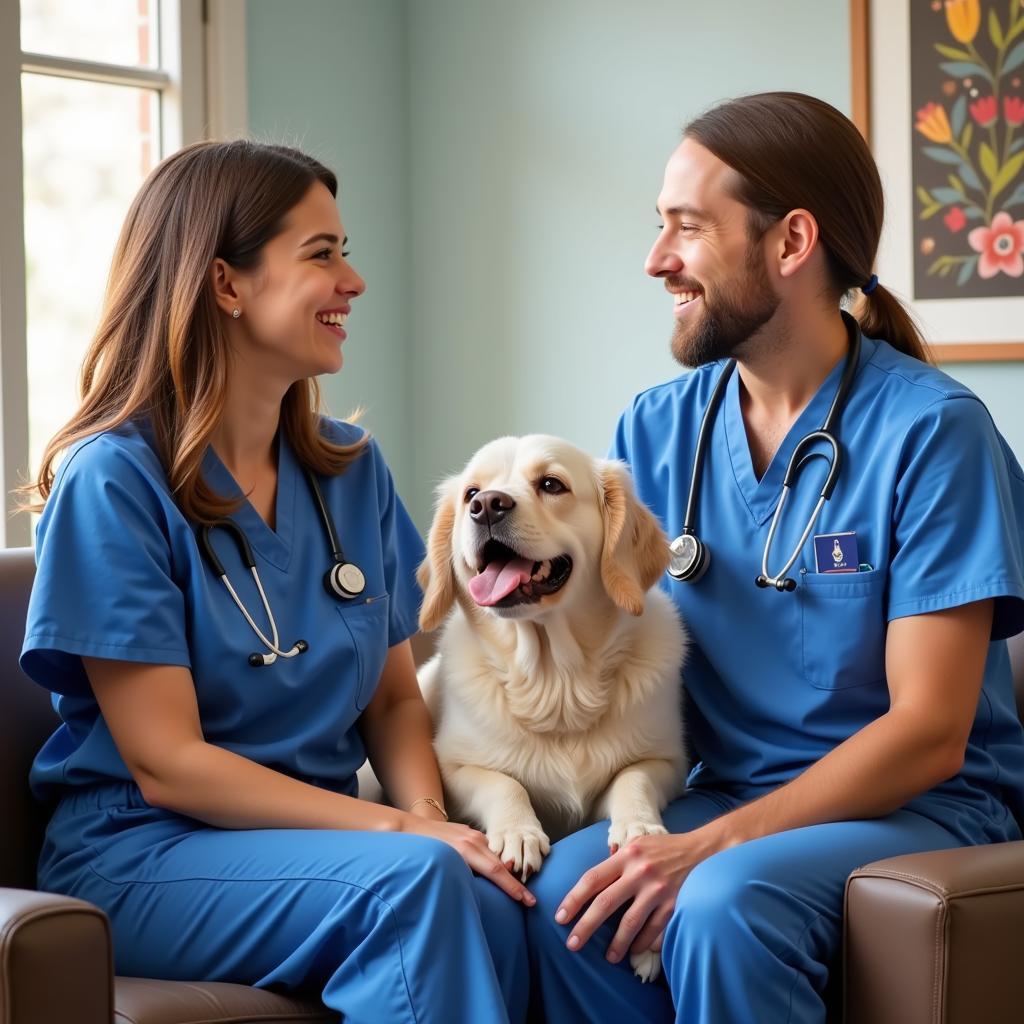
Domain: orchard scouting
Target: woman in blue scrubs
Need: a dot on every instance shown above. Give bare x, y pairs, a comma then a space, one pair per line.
866, 713
204, 776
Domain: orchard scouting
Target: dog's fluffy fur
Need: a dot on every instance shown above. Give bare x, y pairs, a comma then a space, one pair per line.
560, 703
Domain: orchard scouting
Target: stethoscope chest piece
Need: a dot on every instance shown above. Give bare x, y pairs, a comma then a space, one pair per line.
345, 580
689, 558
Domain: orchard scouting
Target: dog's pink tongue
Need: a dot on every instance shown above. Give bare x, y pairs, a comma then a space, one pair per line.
498, 580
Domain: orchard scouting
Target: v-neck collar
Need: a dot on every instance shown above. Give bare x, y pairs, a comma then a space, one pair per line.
273, 545
761, 496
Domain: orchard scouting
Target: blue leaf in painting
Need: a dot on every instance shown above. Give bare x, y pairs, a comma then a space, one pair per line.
973, 213
947, 195
944, 156
1017, 198
1017, 146
1014, 58
963, 69
966, 270
968, 177
958, 116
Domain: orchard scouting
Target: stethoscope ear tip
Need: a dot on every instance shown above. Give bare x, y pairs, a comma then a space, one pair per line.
788, 584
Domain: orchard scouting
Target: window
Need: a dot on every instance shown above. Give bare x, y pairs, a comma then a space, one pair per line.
92, 96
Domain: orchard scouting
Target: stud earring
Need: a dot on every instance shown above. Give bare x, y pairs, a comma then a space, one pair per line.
236, 312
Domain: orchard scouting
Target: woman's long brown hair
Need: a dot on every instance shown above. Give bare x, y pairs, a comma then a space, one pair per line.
793, 151
160, 352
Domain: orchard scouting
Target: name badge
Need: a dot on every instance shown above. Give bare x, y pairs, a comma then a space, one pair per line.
836, 552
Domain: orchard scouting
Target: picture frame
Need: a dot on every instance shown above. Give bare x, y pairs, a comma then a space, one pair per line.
960, 328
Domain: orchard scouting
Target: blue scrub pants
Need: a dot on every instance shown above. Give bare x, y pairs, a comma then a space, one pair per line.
389, 927
754, 930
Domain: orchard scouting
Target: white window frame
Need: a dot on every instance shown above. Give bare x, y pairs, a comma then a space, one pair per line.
204, 94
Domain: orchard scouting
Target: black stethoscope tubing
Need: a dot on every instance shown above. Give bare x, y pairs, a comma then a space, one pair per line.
344, 580
690, 556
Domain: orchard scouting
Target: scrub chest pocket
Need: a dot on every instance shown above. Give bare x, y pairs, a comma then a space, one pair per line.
842, 628
367, 627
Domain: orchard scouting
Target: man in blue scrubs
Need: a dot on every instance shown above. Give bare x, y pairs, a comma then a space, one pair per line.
869, 711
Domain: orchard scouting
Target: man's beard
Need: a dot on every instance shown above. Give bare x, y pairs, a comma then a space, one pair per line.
739, 310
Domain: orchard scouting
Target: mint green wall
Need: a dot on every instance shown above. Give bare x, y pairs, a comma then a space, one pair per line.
504, 160
330, 77
1001, 387
540, 132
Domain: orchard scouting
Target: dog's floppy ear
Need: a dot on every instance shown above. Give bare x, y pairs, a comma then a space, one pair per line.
436, 573
635, 551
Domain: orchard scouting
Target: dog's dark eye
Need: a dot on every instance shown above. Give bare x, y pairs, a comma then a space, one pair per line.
470, 494
552, 485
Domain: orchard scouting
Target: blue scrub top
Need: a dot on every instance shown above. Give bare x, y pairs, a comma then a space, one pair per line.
936, 499
120, 575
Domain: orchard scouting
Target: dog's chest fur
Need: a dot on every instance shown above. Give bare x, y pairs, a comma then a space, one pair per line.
558, 718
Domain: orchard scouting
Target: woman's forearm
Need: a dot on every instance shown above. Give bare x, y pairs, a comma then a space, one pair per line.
400, 745
227, 790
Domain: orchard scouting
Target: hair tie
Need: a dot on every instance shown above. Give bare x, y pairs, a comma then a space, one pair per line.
868, 288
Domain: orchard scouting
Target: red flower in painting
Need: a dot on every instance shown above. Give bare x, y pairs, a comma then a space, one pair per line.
1001, 246
984, 111
955, 219
1013, 108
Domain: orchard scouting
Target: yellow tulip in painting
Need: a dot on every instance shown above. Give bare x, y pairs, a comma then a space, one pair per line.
964, 18
933, 124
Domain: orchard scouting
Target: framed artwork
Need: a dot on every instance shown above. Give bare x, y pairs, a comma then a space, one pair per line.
938, 92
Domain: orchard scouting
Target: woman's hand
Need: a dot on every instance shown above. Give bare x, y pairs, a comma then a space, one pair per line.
649, 871
471, 845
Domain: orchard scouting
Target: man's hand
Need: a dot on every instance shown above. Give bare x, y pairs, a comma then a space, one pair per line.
649, 872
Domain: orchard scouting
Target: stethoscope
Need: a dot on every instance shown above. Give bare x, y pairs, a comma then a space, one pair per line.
690, 557
344, 580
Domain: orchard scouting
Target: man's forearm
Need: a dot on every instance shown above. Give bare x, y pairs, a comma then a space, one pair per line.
873, 773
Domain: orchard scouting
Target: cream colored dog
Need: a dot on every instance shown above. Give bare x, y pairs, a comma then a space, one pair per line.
556, 691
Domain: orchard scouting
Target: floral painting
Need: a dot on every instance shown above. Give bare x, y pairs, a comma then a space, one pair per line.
967, 67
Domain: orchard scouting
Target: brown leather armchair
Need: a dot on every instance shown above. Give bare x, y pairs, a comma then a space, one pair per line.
928, 937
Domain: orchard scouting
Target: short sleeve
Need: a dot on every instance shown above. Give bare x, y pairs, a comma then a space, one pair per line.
403, 551
620, 442
958, 517
104, 585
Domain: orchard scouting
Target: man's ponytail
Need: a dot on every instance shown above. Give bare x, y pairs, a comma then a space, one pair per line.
882, 315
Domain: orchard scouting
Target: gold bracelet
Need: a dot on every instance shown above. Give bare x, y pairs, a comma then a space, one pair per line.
433, 803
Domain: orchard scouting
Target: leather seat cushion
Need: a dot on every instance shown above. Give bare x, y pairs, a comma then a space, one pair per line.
143, 1001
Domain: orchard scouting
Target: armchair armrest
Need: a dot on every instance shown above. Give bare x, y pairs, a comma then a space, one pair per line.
936, 936
56, 960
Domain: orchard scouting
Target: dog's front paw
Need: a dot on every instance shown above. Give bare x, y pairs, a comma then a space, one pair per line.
520, 847
646, 965
624, 831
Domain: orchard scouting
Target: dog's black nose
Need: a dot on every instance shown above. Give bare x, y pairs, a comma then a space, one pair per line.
490, 506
